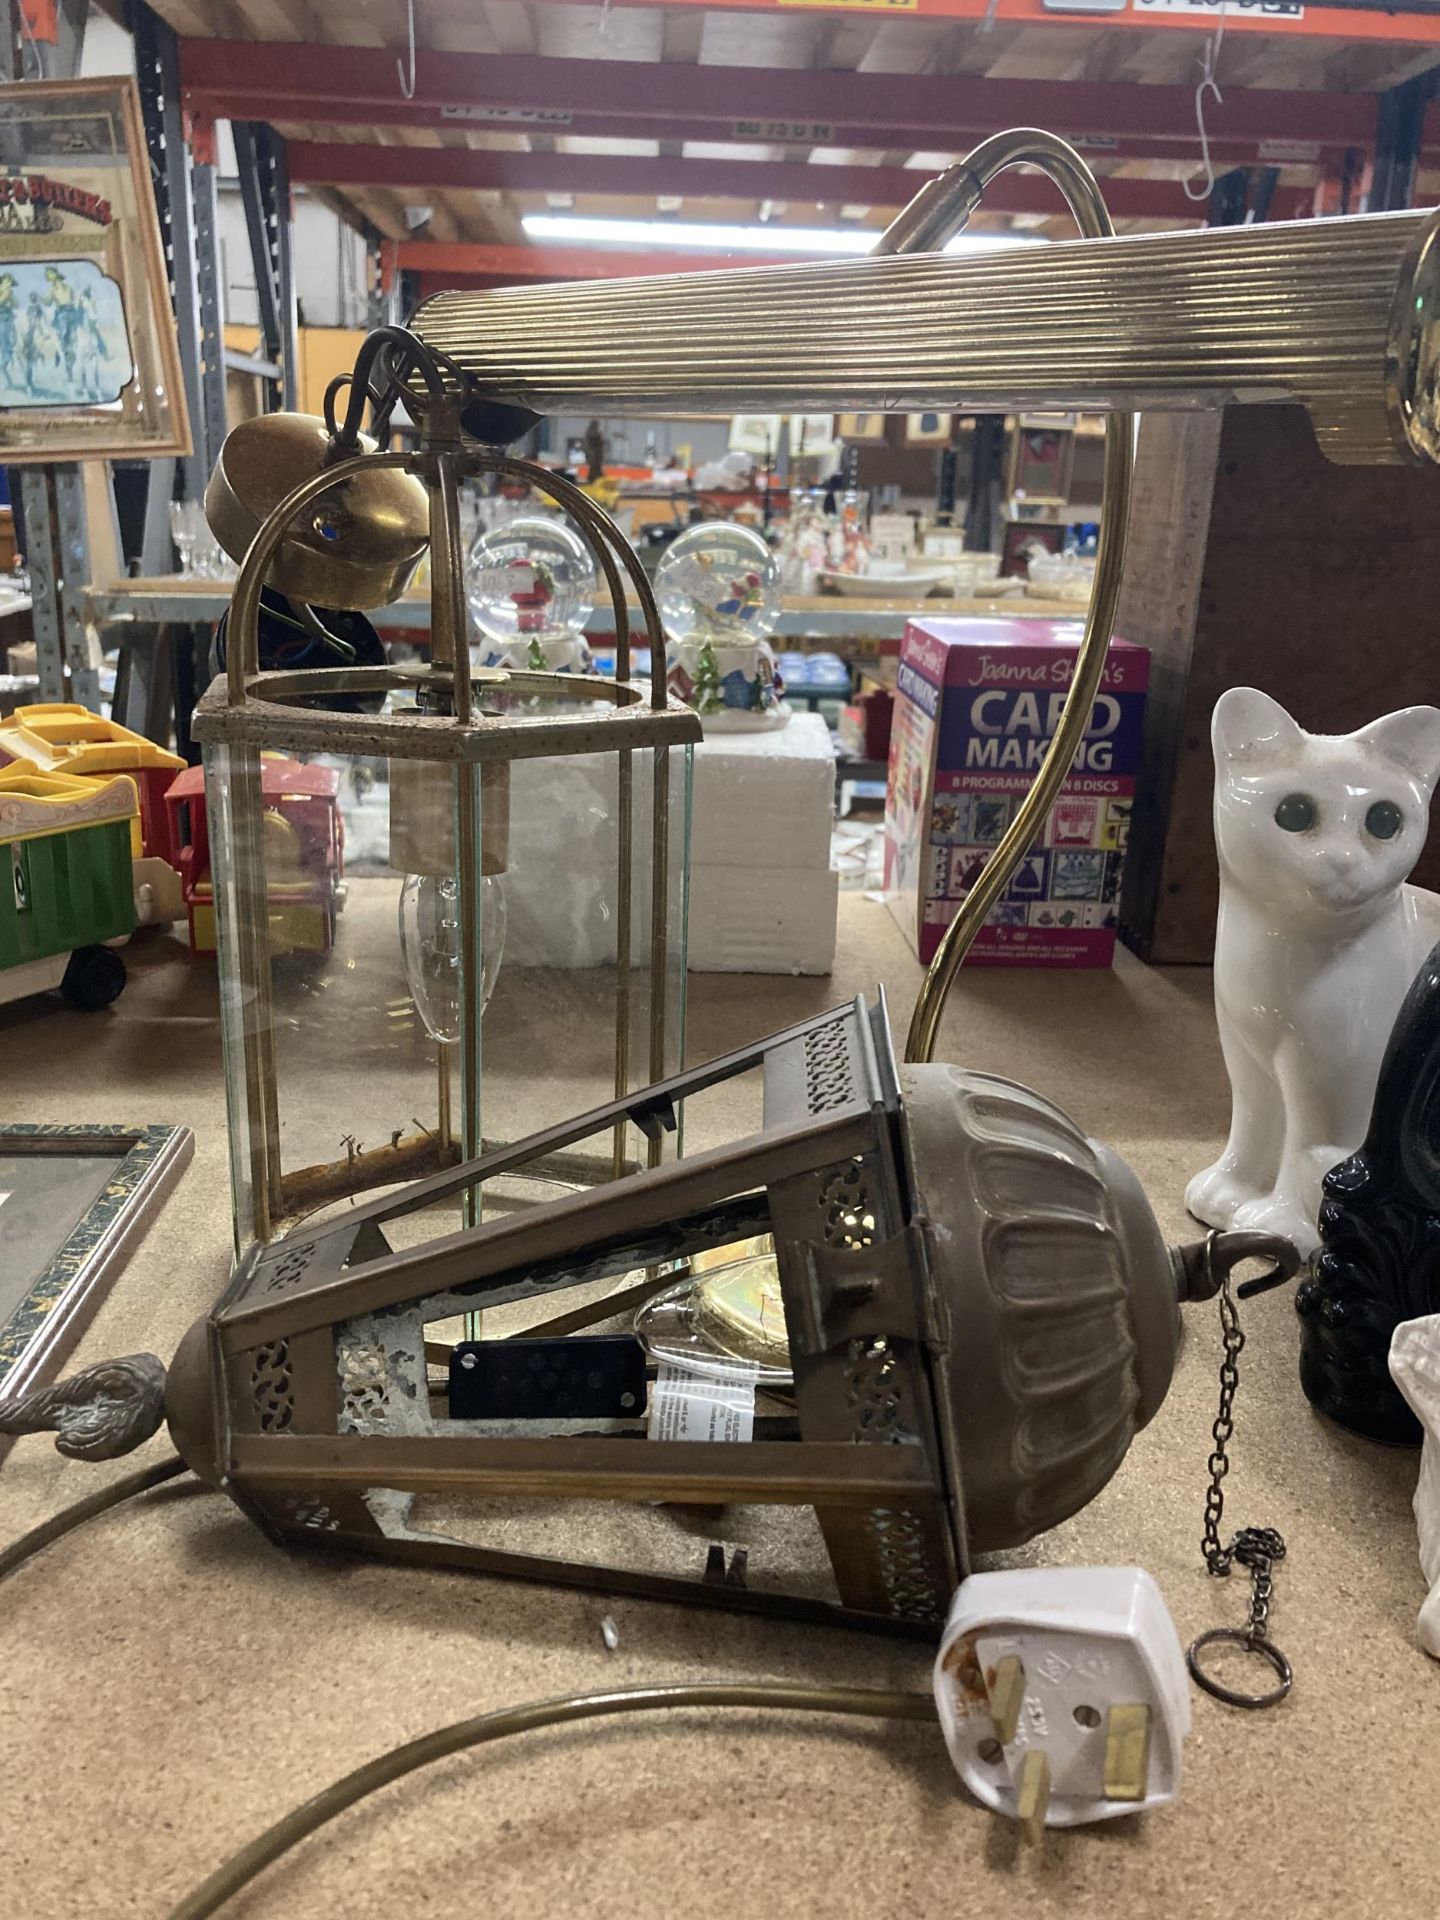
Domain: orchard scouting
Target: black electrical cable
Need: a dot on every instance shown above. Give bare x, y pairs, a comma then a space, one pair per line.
242, 1867
395, 353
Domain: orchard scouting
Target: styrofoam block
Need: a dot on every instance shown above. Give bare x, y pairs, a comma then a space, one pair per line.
560, 882
762, 920
761, 823
765, 799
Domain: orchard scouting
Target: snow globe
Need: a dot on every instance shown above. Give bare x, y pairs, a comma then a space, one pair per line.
718, 586
531, 587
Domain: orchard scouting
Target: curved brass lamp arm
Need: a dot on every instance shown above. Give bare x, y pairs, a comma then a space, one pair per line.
937, 212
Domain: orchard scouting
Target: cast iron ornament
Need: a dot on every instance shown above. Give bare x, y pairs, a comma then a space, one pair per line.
1379, 1258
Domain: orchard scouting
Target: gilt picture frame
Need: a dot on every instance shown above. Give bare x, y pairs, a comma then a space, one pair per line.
929, 429
89, 356
864, 428
74, 1203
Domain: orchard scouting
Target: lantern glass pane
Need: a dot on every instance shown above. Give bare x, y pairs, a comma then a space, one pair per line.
368, 908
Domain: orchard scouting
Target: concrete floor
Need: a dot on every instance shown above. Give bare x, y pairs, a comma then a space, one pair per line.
173, 1682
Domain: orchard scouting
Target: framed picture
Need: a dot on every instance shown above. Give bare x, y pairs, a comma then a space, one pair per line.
1041, 460
757, 433
928, 429
860, 426
74, 1202
89, 361
811, 435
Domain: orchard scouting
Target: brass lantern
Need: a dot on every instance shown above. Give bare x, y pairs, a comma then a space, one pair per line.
369, 830
979, 1308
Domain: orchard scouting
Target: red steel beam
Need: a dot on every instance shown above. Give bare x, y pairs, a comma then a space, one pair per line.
457, 168
325, 111
257, 80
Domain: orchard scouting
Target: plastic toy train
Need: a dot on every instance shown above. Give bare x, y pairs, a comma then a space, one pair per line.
303, 849
66, 887
62, 738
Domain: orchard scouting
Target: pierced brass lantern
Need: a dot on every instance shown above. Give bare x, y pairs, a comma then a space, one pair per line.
980, 1310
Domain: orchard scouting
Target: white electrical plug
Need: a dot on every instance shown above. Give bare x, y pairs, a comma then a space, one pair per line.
1063, 1693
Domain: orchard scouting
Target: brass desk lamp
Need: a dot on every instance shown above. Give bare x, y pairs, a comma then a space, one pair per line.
1337, 315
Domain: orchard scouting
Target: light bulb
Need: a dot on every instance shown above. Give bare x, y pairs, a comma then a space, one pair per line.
431, 947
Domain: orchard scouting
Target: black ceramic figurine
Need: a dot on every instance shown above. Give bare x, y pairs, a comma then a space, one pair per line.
1379, 1258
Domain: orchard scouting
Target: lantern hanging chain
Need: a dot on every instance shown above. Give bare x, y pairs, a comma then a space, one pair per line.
1258, 1548
407, 81
390, 361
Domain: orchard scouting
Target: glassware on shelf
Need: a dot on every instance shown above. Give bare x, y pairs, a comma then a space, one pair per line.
530, 585
718, 586
184, 531
200, 554
1060, 576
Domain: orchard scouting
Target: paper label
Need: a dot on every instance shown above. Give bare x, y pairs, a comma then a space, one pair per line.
707, 584
511, 116
1272, 12
808, 132
696, 1406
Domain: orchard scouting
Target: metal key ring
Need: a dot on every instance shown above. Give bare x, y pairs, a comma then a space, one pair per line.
1239, 1636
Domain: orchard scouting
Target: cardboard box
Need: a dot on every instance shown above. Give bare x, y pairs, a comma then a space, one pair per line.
978, 703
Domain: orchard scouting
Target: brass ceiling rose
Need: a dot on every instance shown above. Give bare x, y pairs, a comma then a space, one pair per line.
356, 547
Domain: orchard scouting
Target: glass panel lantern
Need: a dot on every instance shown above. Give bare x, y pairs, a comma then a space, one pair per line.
448, 904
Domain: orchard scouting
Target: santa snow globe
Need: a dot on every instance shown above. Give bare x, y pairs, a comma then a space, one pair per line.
719, 591
531, 588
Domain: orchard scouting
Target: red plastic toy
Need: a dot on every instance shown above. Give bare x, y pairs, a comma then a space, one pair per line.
304, 851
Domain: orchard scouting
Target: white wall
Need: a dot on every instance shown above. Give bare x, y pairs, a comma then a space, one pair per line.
328, 258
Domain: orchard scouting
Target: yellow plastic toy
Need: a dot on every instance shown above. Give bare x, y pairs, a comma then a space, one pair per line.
60, 737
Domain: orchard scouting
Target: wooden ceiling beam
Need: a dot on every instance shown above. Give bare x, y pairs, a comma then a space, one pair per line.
462, 169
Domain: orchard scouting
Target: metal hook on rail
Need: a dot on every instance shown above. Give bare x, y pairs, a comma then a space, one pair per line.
407, 82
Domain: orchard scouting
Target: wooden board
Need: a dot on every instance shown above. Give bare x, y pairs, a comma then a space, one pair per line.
1254, 561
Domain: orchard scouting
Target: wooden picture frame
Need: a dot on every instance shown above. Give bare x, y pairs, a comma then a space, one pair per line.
929, 429
860, 428
89, 357
757, 434
73, 1228
812, 435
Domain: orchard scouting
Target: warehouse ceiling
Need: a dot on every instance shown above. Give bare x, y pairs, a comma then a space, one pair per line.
801, 115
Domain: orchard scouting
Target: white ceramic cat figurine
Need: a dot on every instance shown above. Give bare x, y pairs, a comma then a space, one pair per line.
1317, 941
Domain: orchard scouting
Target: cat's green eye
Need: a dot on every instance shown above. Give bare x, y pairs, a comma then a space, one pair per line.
1384, 820
1295, 813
